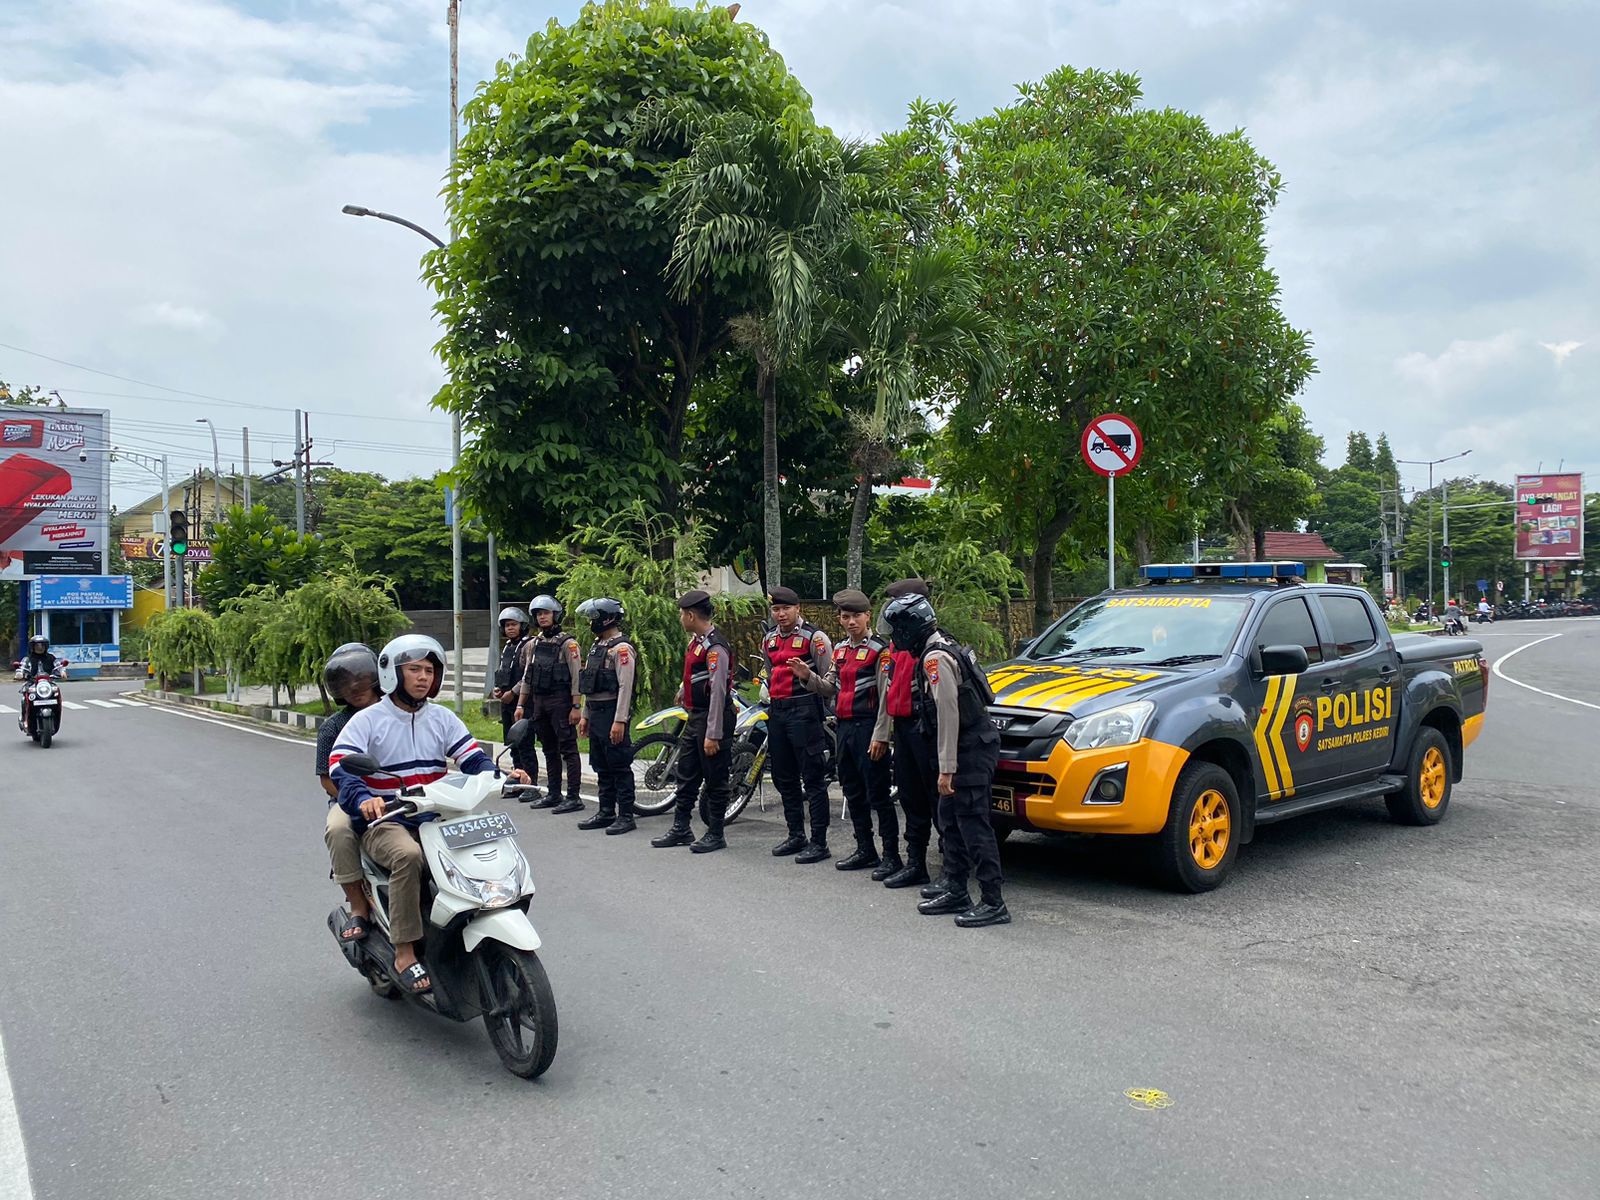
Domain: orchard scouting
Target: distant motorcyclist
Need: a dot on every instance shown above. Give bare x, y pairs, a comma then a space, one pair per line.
39, 660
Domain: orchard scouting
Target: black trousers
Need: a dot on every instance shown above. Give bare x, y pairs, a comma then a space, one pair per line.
521, 756
558, 738
696, 769
916, 778
612, 765
866, 786
969, 842
799, 771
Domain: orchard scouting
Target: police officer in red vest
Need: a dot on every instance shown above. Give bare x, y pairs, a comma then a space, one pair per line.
852, 683
794, 725
915, 777
703, 754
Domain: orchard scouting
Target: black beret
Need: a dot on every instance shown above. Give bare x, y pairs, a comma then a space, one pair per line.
852, 600
906, 587
691, 599
783, 595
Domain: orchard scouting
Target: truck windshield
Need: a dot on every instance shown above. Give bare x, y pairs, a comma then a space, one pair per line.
1145, 629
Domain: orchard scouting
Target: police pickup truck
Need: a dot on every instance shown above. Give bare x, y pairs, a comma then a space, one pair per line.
1222, 696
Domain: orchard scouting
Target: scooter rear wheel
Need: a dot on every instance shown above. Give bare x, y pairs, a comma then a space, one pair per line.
521, 1017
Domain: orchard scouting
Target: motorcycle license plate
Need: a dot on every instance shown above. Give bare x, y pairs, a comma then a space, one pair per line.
473, 831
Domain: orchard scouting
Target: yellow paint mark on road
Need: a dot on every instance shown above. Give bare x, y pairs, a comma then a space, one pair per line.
1147, 1098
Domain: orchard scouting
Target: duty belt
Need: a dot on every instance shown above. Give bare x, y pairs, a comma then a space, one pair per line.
787, 702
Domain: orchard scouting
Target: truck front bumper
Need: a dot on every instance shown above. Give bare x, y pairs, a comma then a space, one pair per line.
1116, 789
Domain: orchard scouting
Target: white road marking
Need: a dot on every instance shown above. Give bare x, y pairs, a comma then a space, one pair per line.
14, 1181
102, 704
277, 737
70, 704
6, 708
128, 703
1499, 674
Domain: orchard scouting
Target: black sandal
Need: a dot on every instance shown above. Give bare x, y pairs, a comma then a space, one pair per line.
414, 979
355, 929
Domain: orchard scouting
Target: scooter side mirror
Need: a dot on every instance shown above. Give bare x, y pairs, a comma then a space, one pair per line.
361, 764
518, 733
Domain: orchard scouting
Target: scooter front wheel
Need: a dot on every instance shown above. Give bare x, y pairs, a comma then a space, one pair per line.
520, 1010
47, 730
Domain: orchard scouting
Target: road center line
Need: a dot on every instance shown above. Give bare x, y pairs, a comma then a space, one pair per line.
14, 1181
1499, 662
276, 737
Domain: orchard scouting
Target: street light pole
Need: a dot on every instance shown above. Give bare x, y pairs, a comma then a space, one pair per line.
1430, 464
453, 16
216, 478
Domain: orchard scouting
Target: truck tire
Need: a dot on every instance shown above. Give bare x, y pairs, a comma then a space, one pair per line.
1195, 851
1426, 797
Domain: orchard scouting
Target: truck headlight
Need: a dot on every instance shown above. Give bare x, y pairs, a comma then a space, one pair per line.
1120, 726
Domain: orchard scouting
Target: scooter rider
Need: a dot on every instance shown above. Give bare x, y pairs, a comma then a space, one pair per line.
794, 726
955, 719
703, 758
350, 676
414, 738
38, 661
852, 683
550, 694
607, 682
514, 626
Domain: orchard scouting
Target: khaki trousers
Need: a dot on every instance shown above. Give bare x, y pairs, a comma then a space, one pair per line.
344, 847
396, 849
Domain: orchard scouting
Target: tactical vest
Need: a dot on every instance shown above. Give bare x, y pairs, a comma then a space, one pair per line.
599, 677
857, 668
781, 650
977, 742
505, 674
696, 694
550, 675
902, 683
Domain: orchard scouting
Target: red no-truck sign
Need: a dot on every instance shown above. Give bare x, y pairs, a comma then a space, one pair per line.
1112, 444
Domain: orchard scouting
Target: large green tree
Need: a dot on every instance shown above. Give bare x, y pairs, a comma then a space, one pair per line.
572, 358
1121, 252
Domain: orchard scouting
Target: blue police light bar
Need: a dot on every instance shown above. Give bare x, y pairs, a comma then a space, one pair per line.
1155, 572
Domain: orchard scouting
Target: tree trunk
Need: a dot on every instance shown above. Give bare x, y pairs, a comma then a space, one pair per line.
1044, 562
1260, 535
772, 517
275, 696
199, 683
858, 529
1141, 546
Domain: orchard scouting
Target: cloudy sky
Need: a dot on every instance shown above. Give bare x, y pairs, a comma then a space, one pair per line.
174, 171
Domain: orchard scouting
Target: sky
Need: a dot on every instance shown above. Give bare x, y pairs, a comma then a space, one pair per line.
174, 173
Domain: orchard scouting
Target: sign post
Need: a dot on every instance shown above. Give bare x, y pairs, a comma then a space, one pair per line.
1112, 446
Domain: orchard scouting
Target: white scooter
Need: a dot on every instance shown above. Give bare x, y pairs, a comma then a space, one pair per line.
478, 945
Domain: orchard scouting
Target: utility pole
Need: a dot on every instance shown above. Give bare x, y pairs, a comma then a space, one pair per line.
453, 17
494, 611
299, 479
247, 468
166, 542
1447, 592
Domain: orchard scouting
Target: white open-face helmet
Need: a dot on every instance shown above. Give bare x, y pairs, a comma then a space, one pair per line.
409, 647
514, 614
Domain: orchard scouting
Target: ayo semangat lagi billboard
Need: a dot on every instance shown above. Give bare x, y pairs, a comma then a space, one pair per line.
55, 476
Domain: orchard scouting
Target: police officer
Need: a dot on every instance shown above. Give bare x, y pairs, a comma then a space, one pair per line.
915, 779
607, 681
551, 697
508, 682
852, 683
955, 719
703, 755
794, 727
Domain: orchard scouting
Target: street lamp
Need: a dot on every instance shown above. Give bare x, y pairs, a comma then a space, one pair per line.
356, 210
216, 478
1430, 463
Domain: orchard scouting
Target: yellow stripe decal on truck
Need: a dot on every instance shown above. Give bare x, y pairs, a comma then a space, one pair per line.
1286, 699
1269, 708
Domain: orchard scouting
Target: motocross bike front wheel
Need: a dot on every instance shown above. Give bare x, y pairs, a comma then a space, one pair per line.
655, 776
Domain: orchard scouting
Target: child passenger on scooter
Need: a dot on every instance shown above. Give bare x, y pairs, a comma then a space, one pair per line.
350, 676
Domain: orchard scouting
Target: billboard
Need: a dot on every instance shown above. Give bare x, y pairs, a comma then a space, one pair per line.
1550, 517
55, 477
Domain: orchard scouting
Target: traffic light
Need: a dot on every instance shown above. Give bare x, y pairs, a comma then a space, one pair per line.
1445, 556
178, 532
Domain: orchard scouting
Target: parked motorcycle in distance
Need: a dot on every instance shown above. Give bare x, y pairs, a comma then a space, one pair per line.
748, 769
479, 947
655, 756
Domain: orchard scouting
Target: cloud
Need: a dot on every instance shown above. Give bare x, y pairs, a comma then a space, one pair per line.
1561, 350
183, 317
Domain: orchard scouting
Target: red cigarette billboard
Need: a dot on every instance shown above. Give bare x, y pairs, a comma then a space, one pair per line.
55, 472
1550, 517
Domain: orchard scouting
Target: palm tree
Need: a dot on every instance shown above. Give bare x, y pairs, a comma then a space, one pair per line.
907, 318
763, 203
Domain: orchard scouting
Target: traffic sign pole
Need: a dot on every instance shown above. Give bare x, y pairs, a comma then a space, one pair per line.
1112, 445
1111, 531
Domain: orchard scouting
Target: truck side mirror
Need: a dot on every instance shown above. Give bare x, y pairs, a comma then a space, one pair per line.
1284, 660
1023, 646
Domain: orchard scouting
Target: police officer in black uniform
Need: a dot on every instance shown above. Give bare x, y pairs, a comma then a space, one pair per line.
794, 728
508, 683
607, 680
703, 753
551, 698
916, 778
955, 717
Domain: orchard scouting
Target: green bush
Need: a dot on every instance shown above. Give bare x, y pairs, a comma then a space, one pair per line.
182, 639
134, 644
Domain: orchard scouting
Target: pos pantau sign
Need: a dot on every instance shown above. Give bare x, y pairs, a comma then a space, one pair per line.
1550, 517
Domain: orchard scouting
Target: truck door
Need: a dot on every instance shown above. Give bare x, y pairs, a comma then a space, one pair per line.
1355, 720
1289, 762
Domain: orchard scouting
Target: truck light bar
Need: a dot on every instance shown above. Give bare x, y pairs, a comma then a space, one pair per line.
1161, 572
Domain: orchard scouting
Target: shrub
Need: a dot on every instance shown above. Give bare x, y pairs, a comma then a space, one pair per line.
182, 639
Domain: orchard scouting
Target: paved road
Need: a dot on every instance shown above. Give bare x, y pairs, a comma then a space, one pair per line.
1364, 1010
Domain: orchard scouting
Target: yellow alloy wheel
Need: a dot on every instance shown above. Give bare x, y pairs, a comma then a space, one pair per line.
1432, 783
1210, 827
